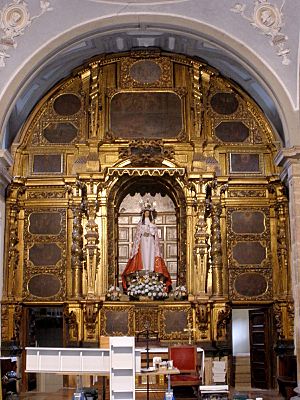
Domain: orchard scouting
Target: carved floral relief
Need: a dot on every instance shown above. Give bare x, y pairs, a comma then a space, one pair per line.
268, 19
14, 19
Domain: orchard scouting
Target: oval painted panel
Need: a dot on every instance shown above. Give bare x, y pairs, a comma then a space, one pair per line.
232, 131
60, 133
67, 104
44, 285
145, 71
44, 254
224, 103
251, 284
249, 253
251, 222
45, 223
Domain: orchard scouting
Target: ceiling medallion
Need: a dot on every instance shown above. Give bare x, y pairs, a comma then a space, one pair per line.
14, 18
268, 18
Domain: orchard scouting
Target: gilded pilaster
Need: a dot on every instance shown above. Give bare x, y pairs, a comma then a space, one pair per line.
197, 99
85, 82
201, 252
190, 203
205, 88
282, 246
102, 278
223, 227
92, 251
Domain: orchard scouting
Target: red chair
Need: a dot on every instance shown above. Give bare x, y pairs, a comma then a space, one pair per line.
186, 360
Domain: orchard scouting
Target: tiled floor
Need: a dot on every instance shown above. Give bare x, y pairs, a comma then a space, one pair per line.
66, 394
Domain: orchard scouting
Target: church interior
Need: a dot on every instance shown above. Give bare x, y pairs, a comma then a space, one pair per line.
149, 191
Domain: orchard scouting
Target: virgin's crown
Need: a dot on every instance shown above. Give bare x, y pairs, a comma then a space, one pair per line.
147, 205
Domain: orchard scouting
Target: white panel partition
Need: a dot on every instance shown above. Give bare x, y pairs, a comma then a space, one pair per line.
67, 360
120, 362
122, 368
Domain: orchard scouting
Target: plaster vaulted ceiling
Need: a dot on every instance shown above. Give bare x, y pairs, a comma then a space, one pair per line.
126, 38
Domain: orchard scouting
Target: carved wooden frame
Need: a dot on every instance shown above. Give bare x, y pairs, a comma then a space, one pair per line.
120, 188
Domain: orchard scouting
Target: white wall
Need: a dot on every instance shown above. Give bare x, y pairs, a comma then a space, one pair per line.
240, 331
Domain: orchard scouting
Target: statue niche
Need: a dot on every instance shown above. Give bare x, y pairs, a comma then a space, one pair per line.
147, 245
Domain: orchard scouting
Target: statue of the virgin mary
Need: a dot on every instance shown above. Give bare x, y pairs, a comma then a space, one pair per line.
145, 253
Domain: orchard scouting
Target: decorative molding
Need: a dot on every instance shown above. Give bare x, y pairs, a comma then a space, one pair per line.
6, 161
268, 19
14, 19
145, 171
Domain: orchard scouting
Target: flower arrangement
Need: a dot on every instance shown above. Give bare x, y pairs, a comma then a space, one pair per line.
148, 285
180, 293
113, 293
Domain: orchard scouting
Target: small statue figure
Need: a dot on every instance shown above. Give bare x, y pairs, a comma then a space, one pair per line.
145, 254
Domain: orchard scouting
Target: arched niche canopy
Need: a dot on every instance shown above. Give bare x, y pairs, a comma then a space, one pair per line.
164, 186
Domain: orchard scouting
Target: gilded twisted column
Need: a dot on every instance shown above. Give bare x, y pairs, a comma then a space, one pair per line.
14, 241
13, 252
216, 252
77, 253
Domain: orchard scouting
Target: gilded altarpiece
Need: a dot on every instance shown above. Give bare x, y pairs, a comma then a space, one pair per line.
146, 122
